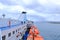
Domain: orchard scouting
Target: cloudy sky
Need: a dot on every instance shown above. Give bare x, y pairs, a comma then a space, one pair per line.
37, 10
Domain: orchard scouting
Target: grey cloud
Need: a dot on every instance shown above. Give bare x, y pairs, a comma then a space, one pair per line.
7, 2
49, 8
44, 9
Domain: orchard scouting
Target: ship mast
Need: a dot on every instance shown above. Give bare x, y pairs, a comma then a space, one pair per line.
24, 16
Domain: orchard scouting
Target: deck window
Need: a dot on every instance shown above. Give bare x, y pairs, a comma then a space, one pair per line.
16, 30
24, 22
3, 37
9, 34
13, 32
21, 22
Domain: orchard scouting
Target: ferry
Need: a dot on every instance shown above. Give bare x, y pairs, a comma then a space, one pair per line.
11, 29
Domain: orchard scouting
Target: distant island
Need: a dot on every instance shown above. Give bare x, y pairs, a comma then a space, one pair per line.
54, 22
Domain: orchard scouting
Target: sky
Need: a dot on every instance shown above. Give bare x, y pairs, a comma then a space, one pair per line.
37, 10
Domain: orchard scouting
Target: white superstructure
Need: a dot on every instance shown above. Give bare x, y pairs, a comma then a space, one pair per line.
13, 32
11, 29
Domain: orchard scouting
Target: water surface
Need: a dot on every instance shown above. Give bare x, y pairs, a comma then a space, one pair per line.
48, 30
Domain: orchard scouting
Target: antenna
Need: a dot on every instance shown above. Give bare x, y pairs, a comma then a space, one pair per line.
3, 15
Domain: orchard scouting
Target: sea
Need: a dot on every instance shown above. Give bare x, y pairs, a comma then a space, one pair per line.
49, 31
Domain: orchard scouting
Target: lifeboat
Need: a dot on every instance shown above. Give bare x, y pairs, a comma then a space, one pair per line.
37, 37
34, 34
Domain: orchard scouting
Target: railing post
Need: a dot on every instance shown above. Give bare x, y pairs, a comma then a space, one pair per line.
9, 23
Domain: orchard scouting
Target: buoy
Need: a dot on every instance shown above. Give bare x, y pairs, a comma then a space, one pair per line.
30, 37
38, 37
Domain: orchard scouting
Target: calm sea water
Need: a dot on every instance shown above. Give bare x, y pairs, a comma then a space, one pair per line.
48, 30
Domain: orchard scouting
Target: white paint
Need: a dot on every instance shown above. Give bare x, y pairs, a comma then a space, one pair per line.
13, 36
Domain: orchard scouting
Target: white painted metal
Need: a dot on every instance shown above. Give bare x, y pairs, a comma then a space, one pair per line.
13, 36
